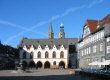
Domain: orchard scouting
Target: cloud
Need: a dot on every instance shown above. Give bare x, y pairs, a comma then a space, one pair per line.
16, 25
19, 34
26, 30
13, 37
70, 10
65, 13
12, 24
94, 2
55, 17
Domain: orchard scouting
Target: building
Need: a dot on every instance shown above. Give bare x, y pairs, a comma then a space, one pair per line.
48, 53
8, 56
95, 42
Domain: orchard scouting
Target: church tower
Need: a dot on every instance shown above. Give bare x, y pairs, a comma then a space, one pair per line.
50, 32
61, 33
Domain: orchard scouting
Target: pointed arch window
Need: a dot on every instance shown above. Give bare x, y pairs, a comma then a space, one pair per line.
24, 55
46, 55
31, 55
62, 54
39, 55
54, 54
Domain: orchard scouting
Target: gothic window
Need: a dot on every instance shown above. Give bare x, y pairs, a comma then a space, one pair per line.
46, 55
62, 54
24, 55
54, 54
54, 63
31, 55
39, 55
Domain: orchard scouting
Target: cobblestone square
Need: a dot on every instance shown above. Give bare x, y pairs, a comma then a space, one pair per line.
43, 74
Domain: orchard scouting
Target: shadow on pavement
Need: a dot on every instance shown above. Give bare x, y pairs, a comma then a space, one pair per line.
49, 77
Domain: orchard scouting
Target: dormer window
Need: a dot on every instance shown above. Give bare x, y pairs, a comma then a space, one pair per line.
86, 30
37, 41
98, 25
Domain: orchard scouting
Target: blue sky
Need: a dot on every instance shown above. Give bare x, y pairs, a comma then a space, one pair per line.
31, 18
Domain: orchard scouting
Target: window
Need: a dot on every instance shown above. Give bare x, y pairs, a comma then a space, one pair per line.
89, 50
31, 55
102, 34
54, 63
62, 54
82, 53
39, 55
97, 36
94, 49
101, 47
108, 49
98, 26
85, 52
46, 55
54, 54
108, 39
24, 55
86, 30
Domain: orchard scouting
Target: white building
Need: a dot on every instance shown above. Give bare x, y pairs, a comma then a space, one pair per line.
47, 53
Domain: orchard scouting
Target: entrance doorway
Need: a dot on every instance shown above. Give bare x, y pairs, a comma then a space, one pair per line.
61, 64
39, 64
47, 65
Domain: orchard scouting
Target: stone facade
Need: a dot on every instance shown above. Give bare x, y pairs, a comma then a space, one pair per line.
93, 44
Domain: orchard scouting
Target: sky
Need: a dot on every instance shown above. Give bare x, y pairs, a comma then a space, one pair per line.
31, 18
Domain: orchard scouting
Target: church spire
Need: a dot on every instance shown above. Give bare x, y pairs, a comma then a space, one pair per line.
50, 32
61, 33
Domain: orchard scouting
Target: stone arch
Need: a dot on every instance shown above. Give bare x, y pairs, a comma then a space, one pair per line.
39, 64
62, 64
31, 64
47, 64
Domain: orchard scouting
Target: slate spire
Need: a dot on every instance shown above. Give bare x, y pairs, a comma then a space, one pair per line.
50, 32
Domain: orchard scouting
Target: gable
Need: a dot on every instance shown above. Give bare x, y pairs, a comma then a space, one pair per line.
86, 30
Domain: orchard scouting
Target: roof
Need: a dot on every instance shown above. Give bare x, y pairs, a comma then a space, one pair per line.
93, 23
50, 42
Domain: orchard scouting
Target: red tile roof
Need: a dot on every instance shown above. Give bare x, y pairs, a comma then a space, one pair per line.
93, 23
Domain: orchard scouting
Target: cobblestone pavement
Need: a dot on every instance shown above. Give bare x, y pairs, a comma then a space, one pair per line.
46, 74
